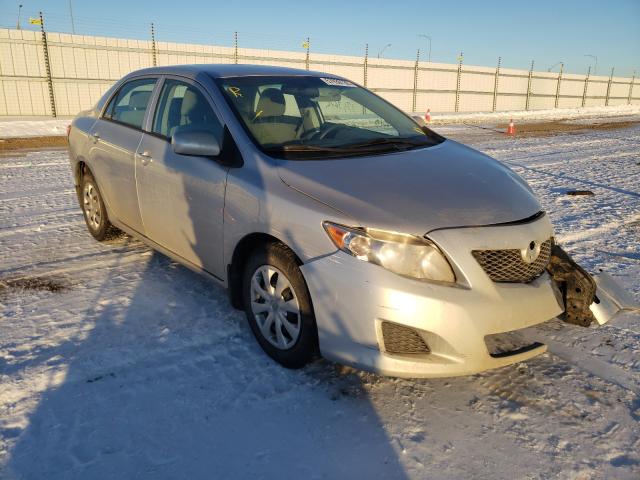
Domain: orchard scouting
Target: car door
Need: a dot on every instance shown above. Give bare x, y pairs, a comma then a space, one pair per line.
181, 197
115, 138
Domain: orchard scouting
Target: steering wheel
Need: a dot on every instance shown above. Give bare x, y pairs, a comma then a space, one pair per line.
332, 128
309, 134
318, 133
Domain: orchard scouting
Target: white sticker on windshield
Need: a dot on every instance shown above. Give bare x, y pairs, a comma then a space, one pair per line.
337, 82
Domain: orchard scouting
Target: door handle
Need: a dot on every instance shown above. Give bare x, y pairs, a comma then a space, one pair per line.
145, 157
95, 137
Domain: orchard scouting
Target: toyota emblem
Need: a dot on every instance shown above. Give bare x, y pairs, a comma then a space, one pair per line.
531, 253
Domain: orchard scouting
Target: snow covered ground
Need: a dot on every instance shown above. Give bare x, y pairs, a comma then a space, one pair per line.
117, 363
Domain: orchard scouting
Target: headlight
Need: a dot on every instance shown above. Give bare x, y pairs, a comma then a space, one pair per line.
405, 255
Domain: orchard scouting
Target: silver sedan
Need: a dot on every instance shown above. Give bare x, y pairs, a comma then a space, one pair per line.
339, 225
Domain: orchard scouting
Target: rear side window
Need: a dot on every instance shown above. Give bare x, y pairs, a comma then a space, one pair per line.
130, 103
183, 107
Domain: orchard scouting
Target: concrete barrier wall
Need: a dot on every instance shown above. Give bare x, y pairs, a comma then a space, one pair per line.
83, 67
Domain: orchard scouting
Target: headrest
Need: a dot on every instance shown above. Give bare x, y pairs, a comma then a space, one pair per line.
193, 108
139, 99
271, 103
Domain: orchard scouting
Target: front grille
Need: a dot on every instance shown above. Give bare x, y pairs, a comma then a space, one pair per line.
402, 340
508, 265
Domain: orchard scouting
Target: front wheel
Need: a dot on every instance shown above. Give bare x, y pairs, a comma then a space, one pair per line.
278, 306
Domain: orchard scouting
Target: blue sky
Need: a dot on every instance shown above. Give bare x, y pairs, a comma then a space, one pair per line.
518, 31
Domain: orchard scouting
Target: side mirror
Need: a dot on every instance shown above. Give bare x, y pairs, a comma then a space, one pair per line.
195, 142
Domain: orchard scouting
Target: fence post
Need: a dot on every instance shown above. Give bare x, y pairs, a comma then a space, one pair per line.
606, 100
586, 85
47, 66
306, 61
558, 86
415, 82
153, 45
366, 63
458, 81
526, 106
633, 78
235, 47
495, 85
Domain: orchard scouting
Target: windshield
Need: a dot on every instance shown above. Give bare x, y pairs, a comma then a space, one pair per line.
304, 117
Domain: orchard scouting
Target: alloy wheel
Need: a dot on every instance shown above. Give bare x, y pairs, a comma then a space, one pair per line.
275, 307
92, 209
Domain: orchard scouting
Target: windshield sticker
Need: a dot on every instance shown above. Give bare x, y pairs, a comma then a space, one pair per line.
235, 91
336, 82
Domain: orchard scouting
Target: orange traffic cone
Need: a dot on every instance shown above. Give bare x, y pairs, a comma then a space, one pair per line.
511, 130
427, 116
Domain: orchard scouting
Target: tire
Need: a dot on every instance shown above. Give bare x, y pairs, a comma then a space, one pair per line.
93, 208
286, 292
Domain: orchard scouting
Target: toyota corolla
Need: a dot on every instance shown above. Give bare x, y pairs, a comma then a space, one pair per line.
338, 224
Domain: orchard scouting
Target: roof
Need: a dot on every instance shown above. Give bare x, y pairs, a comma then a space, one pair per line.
228, 70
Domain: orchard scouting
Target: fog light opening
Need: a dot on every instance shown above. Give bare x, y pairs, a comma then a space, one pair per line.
403, 340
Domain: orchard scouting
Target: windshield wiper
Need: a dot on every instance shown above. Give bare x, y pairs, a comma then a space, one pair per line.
387, 141
300, 147
349, 147
360, 148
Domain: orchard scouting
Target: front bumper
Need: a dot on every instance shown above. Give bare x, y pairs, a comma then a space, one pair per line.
352, 298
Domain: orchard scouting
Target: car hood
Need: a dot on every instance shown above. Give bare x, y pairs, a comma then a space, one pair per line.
416, 191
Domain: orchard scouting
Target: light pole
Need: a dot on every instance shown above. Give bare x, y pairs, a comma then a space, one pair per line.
554, 66
595, 68
73, 27
19, 9
383, 49
428, 38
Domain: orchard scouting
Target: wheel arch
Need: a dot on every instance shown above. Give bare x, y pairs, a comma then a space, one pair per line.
248, 244
79, 170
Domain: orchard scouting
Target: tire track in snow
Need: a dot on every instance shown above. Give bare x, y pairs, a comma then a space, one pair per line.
605, 228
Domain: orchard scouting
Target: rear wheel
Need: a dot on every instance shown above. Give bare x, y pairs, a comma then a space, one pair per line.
95, 213
278, 306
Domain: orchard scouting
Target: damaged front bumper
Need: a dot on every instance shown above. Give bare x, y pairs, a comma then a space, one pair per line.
610, 299
586, 298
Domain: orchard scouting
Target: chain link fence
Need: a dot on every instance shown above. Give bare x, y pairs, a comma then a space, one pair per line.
58, 74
